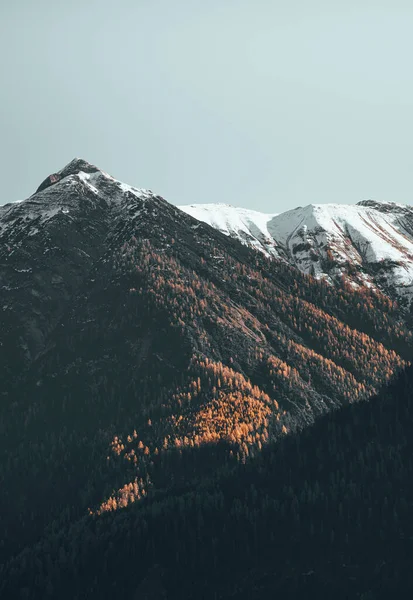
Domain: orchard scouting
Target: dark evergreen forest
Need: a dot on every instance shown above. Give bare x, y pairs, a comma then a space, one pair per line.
322, 513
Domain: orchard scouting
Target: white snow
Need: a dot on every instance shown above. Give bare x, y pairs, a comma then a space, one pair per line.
359, 234
375, 235
138, 192
364, 232
320, 239
87, 178
249, 226
47, 204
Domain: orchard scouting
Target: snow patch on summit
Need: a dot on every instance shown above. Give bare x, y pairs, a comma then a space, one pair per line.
248, 226
370, 243
324, 239
62, 195
87, 179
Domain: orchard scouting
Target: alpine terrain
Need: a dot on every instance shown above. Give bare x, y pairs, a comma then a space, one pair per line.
371, 243
184, 396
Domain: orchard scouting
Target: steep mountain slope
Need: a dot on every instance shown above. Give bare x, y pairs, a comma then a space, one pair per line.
144, 351
371, 242
47, 246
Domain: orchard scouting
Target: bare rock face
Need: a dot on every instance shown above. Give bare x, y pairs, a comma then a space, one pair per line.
76, 166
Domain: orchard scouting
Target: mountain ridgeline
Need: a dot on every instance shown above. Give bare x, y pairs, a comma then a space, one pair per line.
145, 355
371, 243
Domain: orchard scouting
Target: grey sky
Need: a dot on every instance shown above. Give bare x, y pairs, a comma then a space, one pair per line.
264, 104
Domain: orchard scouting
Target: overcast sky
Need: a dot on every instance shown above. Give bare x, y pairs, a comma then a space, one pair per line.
264, 104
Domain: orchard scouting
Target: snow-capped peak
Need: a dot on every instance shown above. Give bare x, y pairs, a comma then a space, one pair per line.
74, 167
92, 177
372, 240
323, 239
78, 186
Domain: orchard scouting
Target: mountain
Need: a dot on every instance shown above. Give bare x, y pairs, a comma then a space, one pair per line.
48, 244
145, 353
371, 242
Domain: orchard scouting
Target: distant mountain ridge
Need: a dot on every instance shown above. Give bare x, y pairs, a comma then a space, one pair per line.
370, 242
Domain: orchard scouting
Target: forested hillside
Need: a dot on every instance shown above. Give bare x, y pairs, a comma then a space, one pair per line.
324, 513
156, 376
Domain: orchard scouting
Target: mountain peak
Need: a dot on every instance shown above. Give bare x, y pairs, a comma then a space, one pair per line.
72, 168
76, 165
